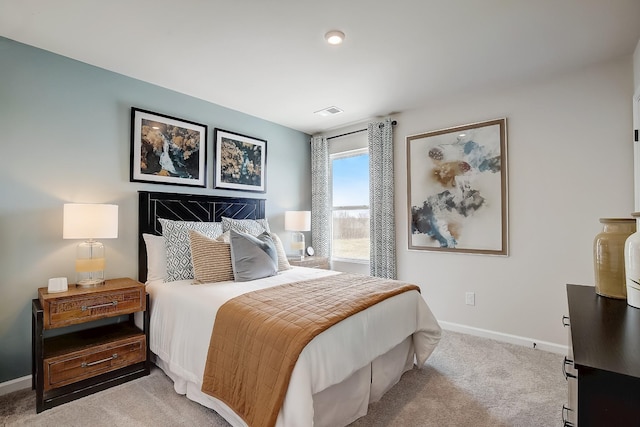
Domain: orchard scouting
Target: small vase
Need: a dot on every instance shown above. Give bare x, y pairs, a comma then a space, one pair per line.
609, 256
632, 265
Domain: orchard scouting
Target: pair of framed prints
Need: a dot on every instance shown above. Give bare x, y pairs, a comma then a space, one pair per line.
170, 150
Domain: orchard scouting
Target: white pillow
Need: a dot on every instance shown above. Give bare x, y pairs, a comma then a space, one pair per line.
283, 262
224, 237
176, 235
156, 257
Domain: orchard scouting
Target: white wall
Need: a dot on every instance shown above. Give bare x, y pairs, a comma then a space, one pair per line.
636, 124
569, 163
636, 68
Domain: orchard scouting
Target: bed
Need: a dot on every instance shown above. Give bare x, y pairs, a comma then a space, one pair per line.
337, 374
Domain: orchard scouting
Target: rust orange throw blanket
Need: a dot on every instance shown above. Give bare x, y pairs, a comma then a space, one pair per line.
257, 337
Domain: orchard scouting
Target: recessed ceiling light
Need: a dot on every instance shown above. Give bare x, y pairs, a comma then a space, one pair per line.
334, 37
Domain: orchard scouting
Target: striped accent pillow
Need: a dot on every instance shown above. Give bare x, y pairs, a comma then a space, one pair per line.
211, 259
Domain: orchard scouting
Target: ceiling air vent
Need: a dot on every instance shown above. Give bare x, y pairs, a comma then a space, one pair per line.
329, 111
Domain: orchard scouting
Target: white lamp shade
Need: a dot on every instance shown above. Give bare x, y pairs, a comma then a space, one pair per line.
297, 220
90, 221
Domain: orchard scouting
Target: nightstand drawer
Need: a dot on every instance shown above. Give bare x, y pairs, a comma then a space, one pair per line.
72, 367
75, 309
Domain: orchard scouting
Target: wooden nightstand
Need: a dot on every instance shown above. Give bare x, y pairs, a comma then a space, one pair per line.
311, 262
76, 363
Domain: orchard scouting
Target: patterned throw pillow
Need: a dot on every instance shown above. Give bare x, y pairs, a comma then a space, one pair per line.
176, 235
250, 226
211, 259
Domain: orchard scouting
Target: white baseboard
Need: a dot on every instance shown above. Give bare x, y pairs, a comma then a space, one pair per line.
511, 339
15, 385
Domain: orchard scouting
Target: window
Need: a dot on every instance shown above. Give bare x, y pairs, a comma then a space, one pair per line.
350, 205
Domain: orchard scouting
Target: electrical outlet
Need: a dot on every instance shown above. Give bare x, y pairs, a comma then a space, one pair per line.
470, 298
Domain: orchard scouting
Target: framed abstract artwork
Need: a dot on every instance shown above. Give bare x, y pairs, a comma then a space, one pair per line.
240, 163
457, 189
167, 150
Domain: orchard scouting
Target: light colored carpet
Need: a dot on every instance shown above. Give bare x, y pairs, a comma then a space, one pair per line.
468, 381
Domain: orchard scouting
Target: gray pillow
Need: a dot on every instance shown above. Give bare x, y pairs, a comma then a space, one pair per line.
253, 257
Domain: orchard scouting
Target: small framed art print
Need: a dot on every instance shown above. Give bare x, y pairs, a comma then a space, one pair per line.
240, 163
167, 150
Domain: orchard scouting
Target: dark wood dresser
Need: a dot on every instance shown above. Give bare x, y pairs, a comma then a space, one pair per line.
603, 361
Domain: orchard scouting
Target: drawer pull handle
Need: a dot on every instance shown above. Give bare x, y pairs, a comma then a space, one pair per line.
86, 365
112, 303
565, 321
565, 416
564, 369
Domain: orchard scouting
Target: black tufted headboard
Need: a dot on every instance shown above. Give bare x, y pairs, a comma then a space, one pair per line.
187, 207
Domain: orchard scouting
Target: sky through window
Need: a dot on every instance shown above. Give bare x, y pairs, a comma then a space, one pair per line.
351, 180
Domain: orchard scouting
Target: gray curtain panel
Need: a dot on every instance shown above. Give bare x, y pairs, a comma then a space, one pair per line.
382, 262
320, 197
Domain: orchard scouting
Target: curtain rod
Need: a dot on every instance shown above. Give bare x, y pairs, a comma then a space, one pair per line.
393, 123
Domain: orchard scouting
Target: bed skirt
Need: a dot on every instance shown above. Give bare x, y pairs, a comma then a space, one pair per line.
337, 405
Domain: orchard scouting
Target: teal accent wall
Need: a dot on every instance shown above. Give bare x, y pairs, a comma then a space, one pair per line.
65, 137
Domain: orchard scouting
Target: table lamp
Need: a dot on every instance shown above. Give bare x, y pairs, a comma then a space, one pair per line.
89, 222
297, 221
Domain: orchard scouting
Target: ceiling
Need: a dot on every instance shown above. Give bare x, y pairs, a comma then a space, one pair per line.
269, 58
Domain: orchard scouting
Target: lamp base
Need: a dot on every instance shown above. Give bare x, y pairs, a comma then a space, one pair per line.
89, 283
90, 264
297, 245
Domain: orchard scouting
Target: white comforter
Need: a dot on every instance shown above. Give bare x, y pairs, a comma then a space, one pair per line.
182, 317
